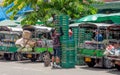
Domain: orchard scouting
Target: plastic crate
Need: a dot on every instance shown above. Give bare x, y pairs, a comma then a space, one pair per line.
70, 53
69, 43
79, 50
64, 46
63, 38
67, 65
80, 60
68, 59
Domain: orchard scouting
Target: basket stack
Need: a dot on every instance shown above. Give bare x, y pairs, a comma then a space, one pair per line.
67, 46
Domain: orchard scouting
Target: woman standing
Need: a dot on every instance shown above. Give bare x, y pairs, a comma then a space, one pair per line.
56, 48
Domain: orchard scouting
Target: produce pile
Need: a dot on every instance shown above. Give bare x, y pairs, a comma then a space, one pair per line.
26, 43
113, 48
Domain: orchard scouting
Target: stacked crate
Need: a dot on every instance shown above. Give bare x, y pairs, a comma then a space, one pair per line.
81, 35
88, 36
75, 36
68, 58
81, 39
68, 54
67, 46
62, 21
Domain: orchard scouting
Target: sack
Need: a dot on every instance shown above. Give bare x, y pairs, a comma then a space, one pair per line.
31, 43
19, 42
26, 34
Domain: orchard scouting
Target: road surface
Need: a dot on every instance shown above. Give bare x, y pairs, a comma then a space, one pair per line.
29, 68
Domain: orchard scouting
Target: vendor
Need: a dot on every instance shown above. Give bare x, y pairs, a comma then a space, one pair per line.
98, 36
56, 48
70, 33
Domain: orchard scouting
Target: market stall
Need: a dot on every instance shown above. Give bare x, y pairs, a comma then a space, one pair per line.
41, 43
92, 42
113, 48
7, 44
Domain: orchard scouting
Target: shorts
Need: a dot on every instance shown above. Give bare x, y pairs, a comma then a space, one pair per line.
57, 52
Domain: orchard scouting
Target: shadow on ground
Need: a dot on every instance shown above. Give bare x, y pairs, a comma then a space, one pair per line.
111, 71
28, 61
93, 68
114, 71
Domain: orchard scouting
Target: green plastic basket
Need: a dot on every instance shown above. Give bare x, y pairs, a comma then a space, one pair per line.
67, 65
68, 59
80, 60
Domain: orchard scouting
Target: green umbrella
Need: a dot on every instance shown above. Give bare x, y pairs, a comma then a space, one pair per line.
39, 22
93, 18
115, 18
114, 14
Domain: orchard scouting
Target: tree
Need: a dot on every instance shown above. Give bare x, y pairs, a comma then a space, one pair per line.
43, 9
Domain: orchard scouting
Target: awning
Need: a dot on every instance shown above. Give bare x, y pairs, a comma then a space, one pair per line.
11, 23
114, 17
108, 5
93, 18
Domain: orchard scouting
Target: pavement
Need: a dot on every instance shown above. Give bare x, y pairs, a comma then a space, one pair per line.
37, 68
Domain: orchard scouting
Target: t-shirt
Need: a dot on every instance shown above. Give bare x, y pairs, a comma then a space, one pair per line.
98, 37
56, 41
70, 33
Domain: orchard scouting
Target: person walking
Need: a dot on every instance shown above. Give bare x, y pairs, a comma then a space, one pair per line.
56, 48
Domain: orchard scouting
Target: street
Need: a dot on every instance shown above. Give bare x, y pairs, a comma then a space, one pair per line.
37, 68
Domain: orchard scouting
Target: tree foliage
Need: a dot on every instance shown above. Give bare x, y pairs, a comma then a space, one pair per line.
43, 9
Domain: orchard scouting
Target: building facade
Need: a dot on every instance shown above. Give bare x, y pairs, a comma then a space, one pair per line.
110, 6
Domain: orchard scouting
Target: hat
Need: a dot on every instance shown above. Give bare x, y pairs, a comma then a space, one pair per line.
97, 30
52, 30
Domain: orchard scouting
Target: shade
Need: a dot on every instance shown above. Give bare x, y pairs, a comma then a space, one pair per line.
115, 18
108, 5
9, 23
39, 22
43, 28
93, 18
74, 25
16, 29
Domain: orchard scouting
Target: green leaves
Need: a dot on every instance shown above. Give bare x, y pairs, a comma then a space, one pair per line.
43, 10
